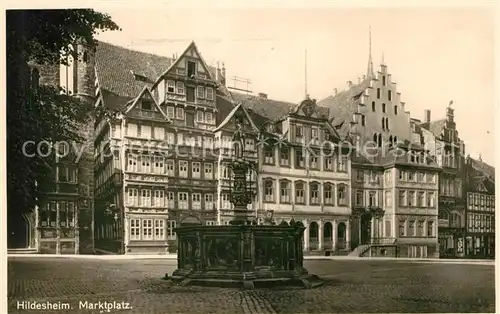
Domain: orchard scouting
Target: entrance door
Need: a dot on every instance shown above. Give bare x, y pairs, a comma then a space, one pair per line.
18, 231
366, 229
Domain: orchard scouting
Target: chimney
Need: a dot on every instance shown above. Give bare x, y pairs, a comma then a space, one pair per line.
263, 95
480, 159
335, 91
174, 57
427, 116
349, 83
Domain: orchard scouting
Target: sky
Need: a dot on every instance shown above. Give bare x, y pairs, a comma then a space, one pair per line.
434, 54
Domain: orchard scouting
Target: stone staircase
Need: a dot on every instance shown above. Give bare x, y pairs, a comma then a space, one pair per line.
21, 251
360, 250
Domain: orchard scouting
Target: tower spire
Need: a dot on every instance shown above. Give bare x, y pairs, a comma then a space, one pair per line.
369, 71
305, 74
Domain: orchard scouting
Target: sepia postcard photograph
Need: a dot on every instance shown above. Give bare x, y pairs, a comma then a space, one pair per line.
248, 158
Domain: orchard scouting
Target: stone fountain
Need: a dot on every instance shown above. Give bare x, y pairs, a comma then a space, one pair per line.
242, 254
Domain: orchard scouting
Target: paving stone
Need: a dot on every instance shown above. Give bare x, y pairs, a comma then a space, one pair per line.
350, 286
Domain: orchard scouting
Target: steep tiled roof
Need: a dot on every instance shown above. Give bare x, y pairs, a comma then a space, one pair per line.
343, 104
263, 109
483, 167
117, 67
435, 127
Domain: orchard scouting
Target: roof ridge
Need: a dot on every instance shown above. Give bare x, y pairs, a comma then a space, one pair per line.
132, 50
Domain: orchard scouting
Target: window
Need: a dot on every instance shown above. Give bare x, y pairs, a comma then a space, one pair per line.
341, 195
196, 197
183, 168
328, 193
209, 173
299, 158
383, 108
314, 133
411, 198
372, 199
387, 123
314, 190
402, 175
135, 229
411, 228
225, 201
402, 198
388, 198
159, 198
411, 176
299, 193
200, 92
147, 229
172, 224
328, 163
159, 229
299, 131
284, 156
378, 93
180, 88
389, 96
132, 199
430, 229
171, 200
395, 109
269, 191
179, 113
195, 168
360, 198
209, 201
383, 124
373, 106
145, 197
145, 164
430, 199
313, 161
170, 167
360, 175
421, 199
363, 120
269, 155
199, 116
402, 229
210, 93
158, 165
285, 192
66, 174
383, 80
170, 112
147, 105
159, 133
170, 86
183, 200
209, 118
191, 68
342, 163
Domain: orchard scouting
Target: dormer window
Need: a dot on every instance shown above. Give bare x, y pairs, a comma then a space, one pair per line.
170, 86
191, 68
299, 131
270, 128
147, 105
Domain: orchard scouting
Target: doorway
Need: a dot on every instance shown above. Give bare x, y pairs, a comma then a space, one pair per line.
18, 229
366, 228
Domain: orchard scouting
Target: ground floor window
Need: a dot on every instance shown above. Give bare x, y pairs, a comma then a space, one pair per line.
147, 229
417, 251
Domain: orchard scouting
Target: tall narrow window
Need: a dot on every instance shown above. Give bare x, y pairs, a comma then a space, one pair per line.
135, 229
395, 109
328, 193
378, 93
383, 80
314, 191
389, 95
373, 106
159, 229
383, 108
299, 193
269, 190
147, 229
342, 195
191, 68
285, 192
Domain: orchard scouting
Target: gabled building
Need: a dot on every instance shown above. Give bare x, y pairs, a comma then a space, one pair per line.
303, 173
394, 185
159, 165
480, 209
442, 142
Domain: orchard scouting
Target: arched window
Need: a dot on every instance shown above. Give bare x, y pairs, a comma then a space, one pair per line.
373, 106
313, 230
380, 140
328, 192
390, 140
85, 57
341, 195
299, 192
269, 190
383, 108
285, 191
314, 193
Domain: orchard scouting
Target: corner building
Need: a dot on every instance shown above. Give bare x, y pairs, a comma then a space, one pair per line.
394, 183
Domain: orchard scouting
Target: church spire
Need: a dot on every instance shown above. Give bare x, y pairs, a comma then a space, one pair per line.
369, 71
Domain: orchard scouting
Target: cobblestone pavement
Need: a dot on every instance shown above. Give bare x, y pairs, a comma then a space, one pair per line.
350, 286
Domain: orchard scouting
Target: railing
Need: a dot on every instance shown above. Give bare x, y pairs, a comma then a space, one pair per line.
383, 241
